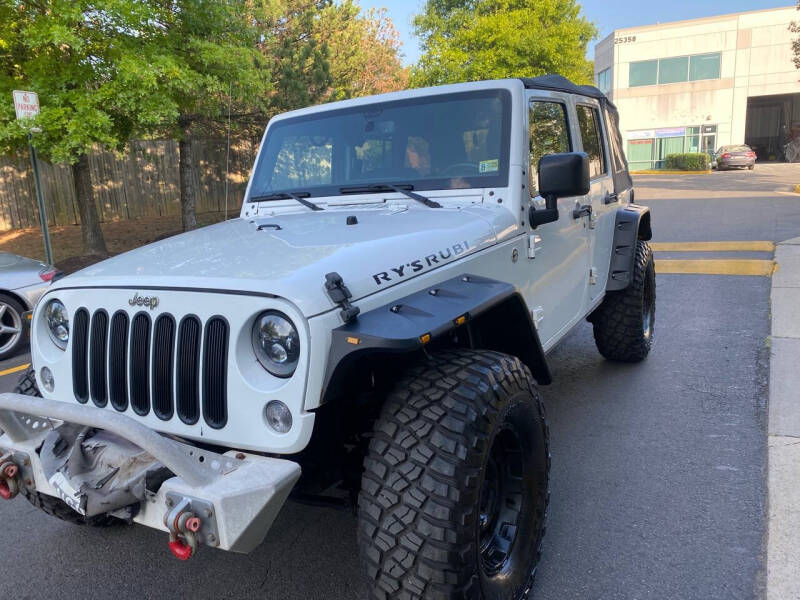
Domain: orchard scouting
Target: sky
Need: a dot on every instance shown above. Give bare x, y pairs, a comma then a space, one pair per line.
606, 15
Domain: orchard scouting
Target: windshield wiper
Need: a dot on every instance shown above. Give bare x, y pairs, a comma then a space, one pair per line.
298, 196
404, 189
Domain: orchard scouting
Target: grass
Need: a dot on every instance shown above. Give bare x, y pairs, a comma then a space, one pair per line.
120, 236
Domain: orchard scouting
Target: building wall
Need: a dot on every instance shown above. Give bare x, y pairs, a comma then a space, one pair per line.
755, 60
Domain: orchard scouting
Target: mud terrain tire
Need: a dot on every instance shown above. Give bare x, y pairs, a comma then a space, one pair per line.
455, 485
53, 506
624, 322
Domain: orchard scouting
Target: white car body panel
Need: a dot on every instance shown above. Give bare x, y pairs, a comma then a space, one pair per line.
236, 270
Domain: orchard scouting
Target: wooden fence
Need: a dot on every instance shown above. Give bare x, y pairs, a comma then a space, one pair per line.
142, 182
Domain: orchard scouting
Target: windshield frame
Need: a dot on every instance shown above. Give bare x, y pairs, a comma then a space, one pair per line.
499, 179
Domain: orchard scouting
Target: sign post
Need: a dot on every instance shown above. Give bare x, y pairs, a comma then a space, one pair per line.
26, 105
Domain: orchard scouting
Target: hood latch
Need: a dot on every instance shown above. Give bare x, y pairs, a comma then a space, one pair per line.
338, 292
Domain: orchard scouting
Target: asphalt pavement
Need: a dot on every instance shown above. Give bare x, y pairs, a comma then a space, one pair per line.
658, 478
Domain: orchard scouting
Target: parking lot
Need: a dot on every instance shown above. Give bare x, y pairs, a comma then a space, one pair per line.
658, 476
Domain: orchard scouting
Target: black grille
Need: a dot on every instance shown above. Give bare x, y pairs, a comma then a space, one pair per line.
140, 360
118, 361
98, 348
215, 373
188, 376
80, 356
163, 352
133, 361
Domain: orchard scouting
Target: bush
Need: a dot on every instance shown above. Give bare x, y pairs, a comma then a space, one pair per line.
688, 161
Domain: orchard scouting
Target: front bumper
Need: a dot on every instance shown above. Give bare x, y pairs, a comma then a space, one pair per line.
235, 496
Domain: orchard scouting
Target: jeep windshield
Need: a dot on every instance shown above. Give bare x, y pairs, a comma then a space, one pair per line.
436, 142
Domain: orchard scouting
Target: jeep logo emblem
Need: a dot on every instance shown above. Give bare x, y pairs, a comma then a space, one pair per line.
149, 301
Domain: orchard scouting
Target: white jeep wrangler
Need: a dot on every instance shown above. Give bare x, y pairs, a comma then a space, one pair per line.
376, 317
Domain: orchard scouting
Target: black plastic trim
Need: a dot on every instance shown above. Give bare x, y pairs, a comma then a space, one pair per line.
215, 374
187, 379
140, 365
80, 355
397, 327
632, 223
118, 360
98, 358
163, 366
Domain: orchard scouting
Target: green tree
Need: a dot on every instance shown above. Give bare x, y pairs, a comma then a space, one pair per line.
364, 51
209, 49
298, 60
466, 40
84, 59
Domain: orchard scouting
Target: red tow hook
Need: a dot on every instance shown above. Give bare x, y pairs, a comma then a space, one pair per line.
183, 526
9, 487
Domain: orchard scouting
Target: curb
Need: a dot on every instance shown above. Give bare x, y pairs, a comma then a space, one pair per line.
671, 172
783, 430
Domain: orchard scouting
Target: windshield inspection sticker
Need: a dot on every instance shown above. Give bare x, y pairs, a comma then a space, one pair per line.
488, 166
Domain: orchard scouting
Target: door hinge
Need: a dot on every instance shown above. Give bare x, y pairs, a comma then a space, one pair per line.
537, 314
592, 220
534, 244
593, 276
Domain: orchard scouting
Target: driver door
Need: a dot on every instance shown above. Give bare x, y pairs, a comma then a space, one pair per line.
559, 269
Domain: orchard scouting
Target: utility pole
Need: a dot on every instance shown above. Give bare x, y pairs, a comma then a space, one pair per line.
26, 105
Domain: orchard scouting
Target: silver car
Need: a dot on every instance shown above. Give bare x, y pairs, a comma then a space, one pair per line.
22, 283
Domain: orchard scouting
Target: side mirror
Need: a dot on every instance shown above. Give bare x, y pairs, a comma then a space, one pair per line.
560, 176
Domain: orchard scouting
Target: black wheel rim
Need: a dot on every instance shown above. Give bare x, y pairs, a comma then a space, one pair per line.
501, 502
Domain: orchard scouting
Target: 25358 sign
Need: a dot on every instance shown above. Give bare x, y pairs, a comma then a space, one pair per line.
625, 39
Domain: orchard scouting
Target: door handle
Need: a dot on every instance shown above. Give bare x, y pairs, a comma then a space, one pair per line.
582, 211
610, 197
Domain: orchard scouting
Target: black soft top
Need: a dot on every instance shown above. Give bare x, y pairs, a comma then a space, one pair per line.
557, 83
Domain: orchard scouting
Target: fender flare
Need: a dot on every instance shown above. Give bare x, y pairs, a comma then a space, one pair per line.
408, 324
632, 224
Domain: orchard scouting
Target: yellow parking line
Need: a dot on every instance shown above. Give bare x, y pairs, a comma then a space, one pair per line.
712, 246
15, 369
763, 268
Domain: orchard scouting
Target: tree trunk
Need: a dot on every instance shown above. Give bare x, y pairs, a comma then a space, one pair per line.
186, 170
91, 234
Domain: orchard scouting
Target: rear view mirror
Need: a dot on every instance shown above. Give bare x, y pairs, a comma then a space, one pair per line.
560, 176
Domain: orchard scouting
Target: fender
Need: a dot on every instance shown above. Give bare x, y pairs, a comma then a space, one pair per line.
478, 304
633, 223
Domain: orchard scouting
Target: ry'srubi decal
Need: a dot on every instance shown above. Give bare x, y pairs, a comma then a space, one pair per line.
149, 301
415, 266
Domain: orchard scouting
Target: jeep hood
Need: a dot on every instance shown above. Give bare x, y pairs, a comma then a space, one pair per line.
289, 255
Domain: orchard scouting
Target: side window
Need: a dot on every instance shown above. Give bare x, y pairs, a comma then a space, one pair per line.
549, 134
592, 138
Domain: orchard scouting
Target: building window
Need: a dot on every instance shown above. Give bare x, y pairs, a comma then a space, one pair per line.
649, 148
604, 81
589, 124
644, 72
674, 69
704, 66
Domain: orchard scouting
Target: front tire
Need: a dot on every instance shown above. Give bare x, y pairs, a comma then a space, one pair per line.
624, 323
48, 504
12, 327
455, 486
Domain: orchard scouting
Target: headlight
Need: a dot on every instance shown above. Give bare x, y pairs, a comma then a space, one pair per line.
55, 314
276, 343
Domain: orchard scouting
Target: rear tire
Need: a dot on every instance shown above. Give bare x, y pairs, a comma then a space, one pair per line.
49, 504
455, 486
625, 321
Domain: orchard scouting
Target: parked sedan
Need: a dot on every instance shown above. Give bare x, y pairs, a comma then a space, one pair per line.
22, 283
735, 156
